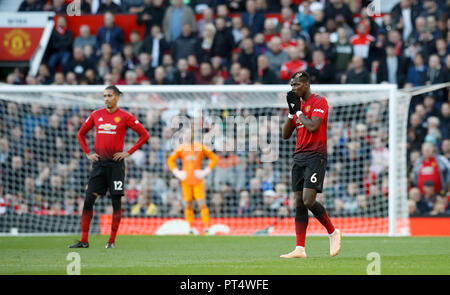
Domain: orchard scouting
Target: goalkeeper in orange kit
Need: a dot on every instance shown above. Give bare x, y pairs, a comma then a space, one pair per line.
191, 176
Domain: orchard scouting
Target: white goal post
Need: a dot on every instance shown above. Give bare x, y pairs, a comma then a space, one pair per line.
370, 199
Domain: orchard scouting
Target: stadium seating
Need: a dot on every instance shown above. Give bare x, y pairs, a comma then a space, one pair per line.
364, 55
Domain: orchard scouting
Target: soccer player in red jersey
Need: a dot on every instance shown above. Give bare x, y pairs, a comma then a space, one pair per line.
308, 115
108, 169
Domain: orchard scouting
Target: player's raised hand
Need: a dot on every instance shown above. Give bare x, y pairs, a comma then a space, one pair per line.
92, 157
120, 156
180, 174
293, 102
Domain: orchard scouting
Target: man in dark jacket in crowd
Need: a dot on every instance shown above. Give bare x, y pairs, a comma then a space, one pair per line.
109, 6
223, 42
321, 71
60, 46
358, 73
182, 76
186, 44
265, 75
155, 44
111, 34
247, 57
152, 14
338, 7
253, 19
393, 68
78, 64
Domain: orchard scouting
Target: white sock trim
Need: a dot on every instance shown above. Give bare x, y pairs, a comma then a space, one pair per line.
333, 233
299, 247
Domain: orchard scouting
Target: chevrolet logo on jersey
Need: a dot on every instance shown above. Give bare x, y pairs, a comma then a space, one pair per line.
107, 127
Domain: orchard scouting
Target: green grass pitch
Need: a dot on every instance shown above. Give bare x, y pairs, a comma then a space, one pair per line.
224, 255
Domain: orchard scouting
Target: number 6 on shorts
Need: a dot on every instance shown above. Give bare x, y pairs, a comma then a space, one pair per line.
315, 173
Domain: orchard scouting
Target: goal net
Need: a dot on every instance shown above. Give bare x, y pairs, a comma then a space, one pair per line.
44, 172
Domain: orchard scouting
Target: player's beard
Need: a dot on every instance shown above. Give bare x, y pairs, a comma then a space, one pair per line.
298, 93
110, 106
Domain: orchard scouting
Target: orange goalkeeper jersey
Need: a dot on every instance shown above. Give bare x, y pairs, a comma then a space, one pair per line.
191, 159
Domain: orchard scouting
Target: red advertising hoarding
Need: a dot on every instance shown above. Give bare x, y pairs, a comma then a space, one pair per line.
272, 226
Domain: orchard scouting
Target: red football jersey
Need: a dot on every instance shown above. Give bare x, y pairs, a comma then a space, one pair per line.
292, 66
111, 129
316, 142
429, 170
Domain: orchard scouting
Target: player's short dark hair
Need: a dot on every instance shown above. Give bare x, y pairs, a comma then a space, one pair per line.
302, 76
114, 88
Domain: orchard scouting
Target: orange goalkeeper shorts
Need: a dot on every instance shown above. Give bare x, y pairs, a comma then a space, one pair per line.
193, 192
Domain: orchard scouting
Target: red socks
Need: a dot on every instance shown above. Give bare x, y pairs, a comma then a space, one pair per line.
300, 228
115, 225
300, 232
321, 214
301, 221
86, 218
326, 222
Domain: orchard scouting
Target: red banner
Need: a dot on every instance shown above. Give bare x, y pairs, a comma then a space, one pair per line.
19, 44
272, 226
127, 22
242, 226
430, 226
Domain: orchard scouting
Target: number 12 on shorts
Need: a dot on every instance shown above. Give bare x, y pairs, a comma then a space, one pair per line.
118, 185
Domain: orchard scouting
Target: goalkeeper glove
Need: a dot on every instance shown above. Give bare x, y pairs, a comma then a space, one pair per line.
293, 103
180, 174
200, 174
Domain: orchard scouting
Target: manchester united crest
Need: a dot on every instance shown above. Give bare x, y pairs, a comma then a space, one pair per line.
117, 119
307, 109
17, 42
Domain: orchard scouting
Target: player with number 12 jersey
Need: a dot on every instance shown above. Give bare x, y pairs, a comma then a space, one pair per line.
108, 168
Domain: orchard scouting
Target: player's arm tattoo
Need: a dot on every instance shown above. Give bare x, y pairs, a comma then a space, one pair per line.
288, 128
311, 124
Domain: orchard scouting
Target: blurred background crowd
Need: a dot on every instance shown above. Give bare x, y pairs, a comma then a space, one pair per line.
218, 42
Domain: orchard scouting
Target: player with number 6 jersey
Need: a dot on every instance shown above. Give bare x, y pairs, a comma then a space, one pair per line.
108, 169
308, 115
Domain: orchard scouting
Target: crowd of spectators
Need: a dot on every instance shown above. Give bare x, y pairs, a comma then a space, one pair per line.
44, 170
408, 47
234, 43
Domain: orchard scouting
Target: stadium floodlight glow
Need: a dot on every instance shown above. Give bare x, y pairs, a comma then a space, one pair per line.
366, 195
